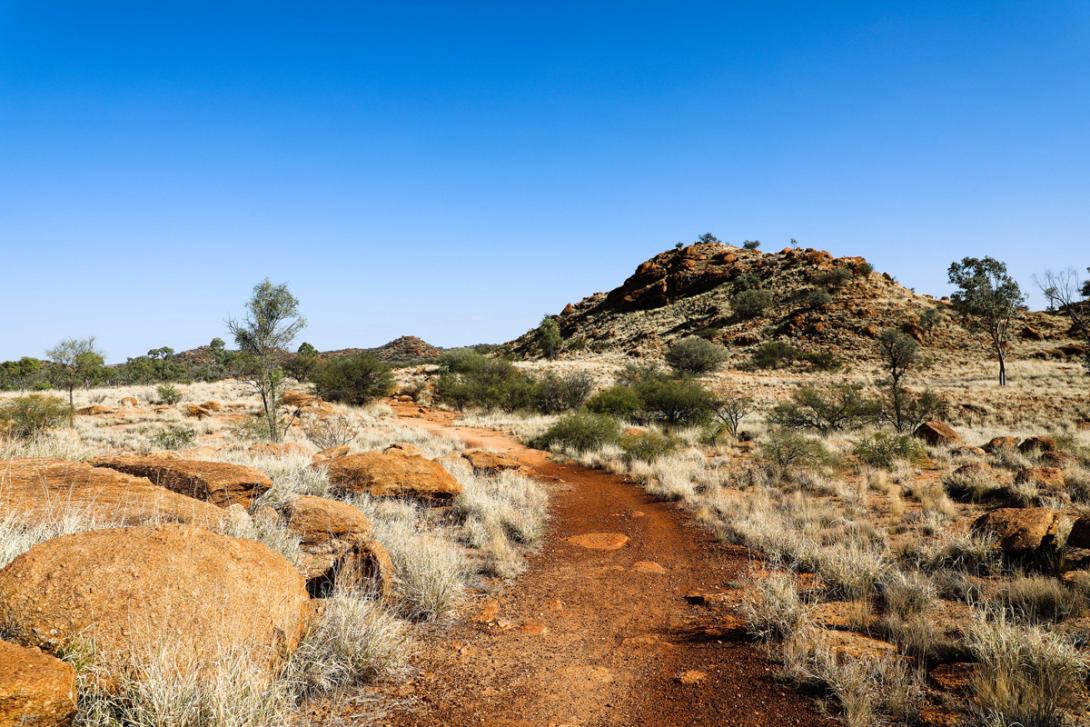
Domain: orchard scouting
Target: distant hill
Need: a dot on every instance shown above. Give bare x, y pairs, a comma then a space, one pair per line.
694, 290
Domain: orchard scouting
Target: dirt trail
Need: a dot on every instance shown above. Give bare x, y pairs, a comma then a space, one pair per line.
591, 636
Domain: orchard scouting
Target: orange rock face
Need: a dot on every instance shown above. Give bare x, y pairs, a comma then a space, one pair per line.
220, 483
393, 474
484, 462
45, 489
936, 432
131, 589
35, 688
1022, 532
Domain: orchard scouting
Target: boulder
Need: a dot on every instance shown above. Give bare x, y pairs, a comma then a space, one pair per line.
1037, 445
1048, 477
1079, 537
127, 401
997, 444
392, 474
132, 589
337, 546
279, 449
404, 448
36, 689
197, 410
299, 399
484, 462
329, 454
220, 483
95, 410
1031, 334
936, 433
1023, 533
43, 490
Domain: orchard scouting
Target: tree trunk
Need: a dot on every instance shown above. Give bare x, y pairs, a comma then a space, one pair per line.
1002, 368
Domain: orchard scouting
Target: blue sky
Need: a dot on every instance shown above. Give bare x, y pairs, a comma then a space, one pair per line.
456, 170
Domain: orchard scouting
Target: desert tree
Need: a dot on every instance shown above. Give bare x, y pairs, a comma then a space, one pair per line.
928, 320
76, 362
707, 237
989, 299
1067, 294
303, 364
730, 410
548, 337
899, 353
271, 323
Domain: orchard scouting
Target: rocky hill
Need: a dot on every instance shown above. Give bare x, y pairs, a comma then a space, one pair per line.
406, 349
816, 302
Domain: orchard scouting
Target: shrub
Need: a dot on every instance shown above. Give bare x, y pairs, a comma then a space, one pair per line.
774, 355
1039, 599
548, 337
773, 609
751, 244
818, 298
695, 356
648, 446
554, 393
169, 394
746, 281
487, 383
784, 448
822, 360
581, 432
622, 402
675, 401
327, 432
27, 416
355, 379
883, 449
828, 410
175, 436
751, 303
463, 360
731, 410
833, 279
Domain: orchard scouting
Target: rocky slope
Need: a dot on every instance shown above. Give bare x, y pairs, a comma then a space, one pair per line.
694, 290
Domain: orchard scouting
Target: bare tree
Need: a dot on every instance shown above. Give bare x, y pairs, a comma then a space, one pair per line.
76, 362
271, 323
989, 299
731, 410
1071, 296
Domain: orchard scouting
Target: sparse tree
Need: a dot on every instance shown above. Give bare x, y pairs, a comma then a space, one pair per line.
899, 352
989, 299
731, 410
271, 323
693, 356
928, 320
1071, 296
751, 244
76, 362
303, 363
548, 337
707, 237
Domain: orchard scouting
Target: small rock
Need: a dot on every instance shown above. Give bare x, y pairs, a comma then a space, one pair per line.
599, 541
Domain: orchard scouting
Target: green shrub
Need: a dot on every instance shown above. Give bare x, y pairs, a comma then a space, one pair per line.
883, 449
784, 448
675, 401
622, 402
751, 244
356, 379
825, 410
818, 298
554, 393
695, 356
463, 360
822, 360
746, 281
27, 416
864, 270
175, 436
648, 446
751, 303
168, 394
487, 383
580, 432
774, 355
832, 279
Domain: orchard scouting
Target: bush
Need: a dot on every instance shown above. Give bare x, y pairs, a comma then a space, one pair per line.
554, 393
833, 279
774, 355
27, 416
622, 402
828, 410
882, 449
695, 356
675, 401
581, 432
463, 360
487, 383
818, 298
746, 281
751, 303
751, 244
647, 446
786, 449
355, 379
175, 436
169, 394
1039, 599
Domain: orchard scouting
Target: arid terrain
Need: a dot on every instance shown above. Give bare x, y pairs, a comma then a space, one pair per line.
741, 488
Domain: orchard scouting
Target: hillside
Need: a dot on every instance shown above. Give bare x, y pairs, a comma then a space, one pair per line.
694, 290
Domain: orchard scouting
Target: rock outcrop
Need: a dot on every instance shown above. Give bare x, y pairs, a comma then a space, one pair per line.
132, 589
936, 433
393, 474
1024, 534
220, 483
36, 689
42, 490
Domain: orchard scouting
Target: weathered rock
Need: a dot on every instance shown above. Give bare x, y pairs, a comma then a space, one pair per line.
1031, 334
329, 454
42, 490
127, 401
1049, 477
1037, 444
853, 645
392, 474
997, 444
484, 462
1079, 537
220, 483
197, 410
36, 689
936, 433
130, 589
1023, 533
337, 547
95, 410
279, 449
404, 448
966, 450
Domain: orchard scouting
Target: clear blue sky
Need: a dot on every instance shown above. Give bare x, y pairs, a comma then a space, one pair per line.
456, 170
